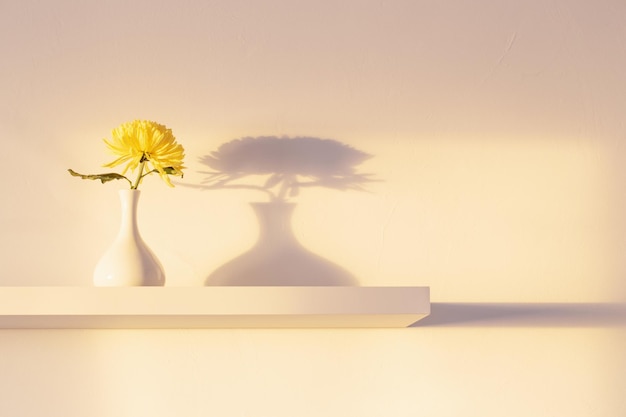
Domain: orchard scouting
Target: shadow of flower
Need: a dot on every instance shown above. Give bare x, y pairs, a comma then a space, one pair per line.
288, 163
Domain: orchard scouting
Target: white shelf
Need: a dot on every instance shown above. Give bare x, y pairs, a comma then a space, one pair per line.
211, 307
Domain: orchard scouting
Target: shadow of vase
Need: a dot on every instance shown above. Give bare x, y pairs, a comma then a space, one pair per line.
277, 258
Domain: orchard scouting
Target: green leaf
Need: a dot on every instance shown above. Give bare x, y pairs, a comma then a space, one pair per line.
102, 177
172, 171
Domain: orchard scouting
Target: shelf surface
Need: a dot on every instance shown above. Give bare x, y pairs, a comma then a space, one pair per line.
211, 307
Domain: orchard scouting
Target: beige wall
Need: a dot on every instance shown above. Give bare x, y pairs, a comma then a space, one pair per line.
496, 128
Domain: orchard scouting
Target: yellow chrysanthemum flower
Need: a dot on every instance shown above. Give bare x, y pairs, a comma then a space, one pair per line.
142, 142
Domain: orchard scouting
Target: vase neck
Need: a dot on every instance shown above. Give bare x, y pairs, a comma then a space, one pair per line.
129, 200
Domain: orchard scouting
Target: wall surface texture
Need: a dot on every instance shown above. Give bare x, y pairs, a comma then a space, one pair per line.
498, 153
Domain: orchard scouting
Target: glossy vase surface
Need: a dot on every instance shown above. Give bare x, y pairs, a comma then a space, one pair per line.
128, 261
277, 258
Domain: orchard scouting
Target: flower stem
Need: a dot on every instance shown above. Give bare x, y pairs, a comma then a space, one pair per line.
136, 184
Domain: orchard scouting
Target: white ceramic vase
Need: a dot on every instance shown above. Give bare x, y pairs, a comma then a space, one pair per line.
128, 261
